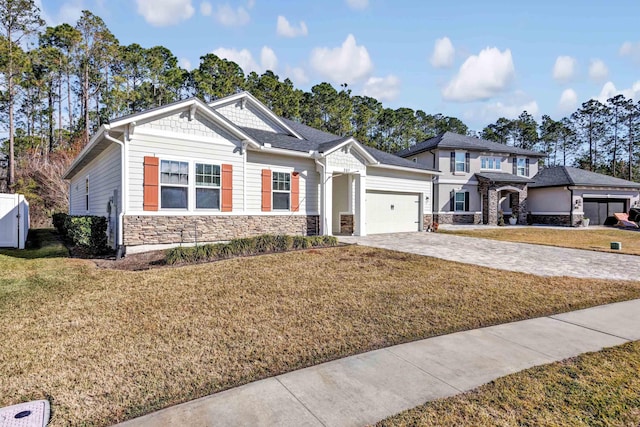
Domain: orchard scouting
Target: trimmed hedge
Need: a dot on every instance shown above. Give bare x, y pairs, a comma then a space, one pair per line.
267, 243
87, 232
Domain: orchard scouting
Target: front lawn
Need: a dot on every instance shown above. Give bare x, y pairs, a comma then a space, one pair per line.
105, 345
591, 239
593, 389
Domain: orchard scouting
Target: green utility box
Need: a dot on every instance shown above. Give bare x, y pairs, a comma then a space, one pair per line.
616, 246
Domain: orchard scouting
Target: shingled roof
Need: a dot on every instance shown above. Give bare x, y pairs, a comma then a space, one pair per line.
317, 140
559, 176
456, 141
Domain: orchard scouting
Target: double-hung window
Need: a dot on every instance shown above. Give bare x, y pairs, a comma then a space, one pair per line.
207, 186
281, 186
174, 184
460, 201
460, 162
522, 167
490, 163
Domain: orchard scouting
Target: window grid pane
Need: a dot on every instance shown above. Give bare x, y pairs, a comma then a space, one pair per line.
172, 172
460, 162
281, 181
207, 175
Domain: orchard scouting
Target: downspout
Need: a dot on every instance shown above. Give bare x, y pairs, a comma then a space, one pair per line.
120, 246
323, 216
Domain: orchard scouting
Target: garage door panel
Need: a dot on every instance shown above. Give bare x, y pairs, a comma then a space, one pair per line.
392, 212
600, 211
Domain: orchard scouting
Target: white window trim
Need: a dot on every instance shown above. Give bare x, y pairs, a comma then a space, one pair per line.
495, 159
524, 166
455, 202
290, 173
196, 186
188, 186
464, 163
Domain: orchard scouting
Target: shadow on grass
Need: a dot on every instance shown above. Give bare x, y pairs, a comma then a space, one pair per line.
41, 243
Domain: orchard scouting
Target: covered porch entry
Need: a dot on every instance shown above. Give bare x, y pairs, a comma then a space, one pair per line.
502, 192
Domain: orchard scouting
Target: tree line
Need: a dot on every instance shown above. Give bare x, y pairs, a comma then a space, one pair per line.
59, 84
73, 78
600, 137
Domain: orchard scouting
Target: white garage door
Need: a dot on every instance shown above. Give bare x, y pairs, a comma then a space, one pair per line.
392, 212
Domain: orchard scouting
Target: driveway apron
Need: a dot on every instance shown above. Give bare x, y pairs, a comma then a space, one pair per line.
521, 257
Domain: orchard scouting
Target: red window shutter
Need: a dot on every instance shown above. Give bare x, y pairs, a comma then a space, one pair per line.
295, 192
150, 183
266, 190
227, 188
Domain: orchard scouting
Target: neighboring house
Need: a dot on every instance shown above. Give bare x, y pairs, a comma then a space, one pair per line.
564, 195
479, 179
191, 172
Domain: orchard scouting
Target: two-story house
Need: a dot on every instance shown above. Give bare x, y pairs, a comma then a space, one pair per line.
479, 178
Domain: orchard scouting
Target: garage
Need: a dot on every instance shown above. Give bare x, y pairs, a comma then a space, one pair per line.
390, 212
600, 211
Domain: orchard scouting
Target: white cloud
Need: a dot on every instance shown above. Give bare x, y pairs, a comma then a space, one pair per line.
268, 59
230, 17
568, 101
69, 12
244, 58
185, 63
382, 88
564, 68
598, 71
205, 8
161, 13
481, 77
344, 64
609, 91
297, 75
443, 53
631, 50
285, 29
492, 111
358, 4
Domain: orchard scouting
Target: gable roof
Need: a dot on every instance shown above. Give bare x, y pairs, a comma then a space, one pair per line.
246, 96
558, 176
462, 142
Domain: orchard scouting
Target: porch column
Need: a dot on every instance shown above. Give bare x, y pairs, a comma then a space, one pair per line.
327, 219
492, 214
360, 211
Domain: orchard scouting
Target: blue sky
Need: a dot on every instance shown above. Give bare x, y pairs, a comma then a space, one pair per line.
476, 60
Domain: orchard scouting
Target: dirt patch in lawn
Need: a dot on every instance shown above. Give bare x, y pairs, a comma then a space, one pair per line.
595, 389
106, 345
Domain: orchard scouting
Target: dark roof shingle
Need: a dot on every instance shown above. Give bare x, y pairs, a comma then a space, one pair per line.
565, 175
456, 141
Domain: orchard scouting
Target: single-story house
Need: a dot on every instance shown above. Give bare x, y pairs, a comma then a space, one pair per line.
190, 172
565, 195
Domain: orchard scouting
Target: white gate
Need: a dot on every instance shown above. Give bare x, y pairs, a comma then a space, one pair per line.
14, 220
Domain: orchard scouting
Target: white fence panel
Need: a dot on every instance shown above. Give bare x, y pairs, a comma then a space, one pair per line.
14, 220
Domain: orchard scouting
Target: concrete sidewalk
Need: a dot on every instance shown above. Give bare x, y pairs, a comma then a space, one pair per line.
366, 388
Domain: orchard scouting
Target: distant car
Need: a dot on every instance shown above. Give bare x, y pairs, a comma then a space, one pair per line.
634, 214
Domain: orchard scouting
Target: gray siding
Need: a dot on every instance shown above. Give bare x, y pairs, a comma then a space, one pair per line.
309, 180
215, 150
104, 178
248, 116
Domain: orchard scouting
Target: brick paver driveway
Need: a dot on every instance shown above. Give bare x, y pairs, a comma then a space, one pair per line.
522, 257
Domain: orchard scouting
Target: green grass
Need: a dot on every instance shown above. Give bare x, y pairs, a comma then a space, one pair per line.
594, 389
105, 346
41, 243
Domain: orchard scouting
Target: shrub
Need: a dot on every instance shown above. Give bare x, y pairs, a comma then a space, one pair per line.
88, 233
266, 243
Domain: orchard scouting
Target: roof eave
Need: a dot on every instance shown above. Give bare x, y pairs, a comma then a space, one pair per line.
406, 169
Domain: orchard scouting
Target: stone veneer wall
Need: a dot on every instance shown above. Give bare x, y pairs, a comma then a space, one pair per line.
474, 218
557, 219
154, 230
427, 220
346, 224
